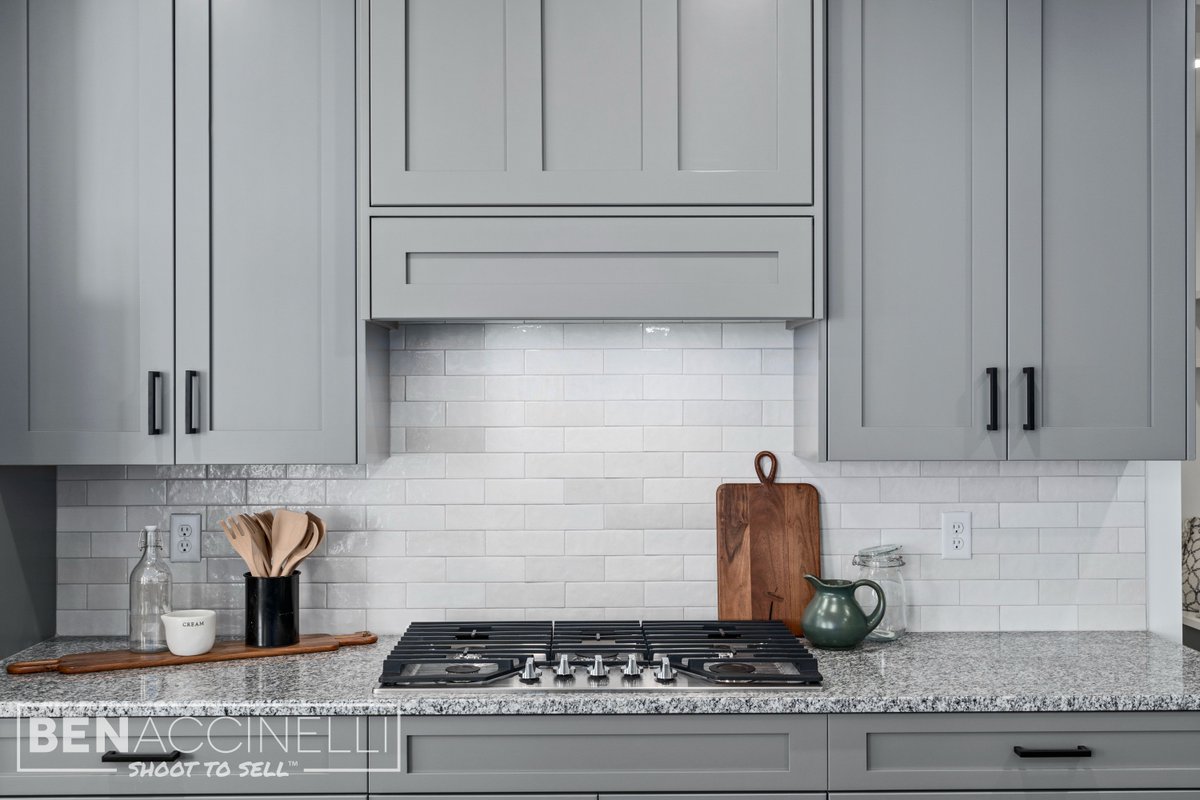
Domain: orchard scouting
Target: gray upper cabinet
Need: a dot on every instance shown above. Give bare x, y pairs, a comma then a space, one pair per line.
265, 308
1100, 283
622, 102
86, 266
1010, 202
916, 229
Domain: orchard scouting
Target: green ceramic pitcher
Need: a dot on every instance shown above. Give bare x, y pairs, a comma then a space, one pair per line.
833, 619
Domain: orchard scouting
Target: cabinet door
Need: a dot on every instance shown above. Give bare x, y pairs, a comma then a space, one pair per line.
916, 230
266, 307
87, 258
1099, 161
500, 102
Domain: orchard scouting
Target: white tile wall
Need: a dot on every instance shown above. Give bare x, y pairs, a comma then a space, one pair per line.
550, 470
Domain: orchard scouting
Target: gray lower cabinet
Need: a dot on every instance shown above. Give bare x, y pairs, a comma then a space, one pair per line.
624, 102
265, 756
1166, 794
981, 305
707, 753
86, 266
591, 267
976, 752
265, 301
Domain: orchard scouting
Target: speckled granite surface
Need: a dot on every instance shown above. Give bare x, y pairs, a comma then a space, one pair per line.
1087, 671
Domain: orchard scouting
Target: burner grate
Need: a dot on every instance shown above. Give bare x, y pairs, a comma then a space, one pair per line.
728, 653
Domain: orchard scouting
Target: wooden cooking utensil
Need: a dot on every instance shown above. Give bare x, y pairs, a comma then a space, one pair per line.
320, 523
106, 660
768, 537
258, 541
242, 545
311, 539
287, 534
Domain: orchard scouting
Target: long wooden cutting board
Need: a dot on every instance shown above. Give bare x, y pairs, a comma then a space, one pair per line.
106, 660
768, 536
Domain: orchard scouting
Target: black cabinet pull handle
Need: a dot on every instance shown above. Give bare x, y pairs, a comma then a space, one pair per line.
1030, 400
993, 374
153, 411
1052, 752
124, 758
189, 411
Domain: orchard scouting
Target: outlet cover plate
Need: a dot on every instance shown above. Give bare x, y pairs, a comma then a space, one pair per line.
185, 537
956, 535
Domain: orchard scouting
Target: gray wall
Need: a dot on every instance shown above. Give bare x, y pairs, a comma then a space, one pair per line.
27, 556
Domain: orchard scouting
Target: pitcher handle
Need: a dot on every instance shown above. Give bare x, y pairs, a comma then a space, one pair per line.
876, 616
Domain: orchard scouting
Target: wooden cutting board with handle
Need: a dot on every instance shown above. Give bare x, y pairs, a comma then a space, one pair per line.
106, 660
768, 536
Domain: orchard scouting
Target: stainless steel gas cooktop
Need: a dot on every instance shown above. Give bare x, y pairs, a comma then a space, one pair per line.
598, 656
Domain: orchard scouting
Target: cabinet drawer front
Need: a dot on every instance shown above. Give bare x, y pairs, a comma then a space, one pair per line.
591, 268
942, 752
265, 755
626, 753
1165, 794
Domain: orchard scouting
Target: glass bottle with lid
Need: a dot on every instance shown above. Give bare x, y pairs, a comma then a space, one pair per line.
149, 596
882, 564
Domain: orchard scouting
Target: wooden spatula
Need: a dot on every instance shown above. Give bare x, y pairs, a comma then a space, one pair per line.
259, 539
311, 539
287, 534
242, 545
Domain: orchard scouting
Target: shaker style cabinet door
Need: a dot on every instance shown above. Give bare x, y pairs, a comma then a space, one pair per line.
86, 262
1100, 141
626, 102
265, 314
915, 348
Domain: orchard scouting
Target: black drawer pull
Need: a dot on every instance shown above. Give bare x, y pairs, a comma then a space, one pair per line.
1052, 752
993, 374
153, 413
125, 758
190, 378
1030, 400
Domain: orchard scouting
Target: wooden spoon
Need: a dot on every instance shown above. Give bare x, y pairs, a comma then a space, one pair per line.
311, 539
287, 534
320, 523
242, 545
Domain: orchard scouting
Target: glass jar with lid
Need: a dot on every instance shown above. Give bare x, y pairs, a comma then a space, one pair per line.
882, 564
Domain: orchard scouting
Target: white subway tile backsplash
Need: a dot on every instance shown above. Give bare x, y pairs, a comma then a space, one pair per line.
547, 470
1022, 566
522, 336
1039, 618
690, 335
484, 362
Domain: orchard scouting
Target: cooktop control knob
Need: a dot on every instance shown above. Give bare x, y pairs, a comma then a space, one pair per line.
598, 668
665, 673
632, 668
530, 674
564, 668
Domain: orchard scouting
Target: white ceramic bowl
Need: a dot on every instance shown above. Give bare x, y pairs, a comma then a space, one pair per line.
190, 633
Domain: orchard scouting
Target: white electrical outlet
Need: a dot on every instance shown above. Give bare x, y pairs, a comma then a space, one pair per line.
185, 537
956, 534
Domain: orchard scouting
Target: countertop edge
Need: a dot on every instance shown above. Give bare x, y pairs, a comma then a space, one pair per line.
528, 705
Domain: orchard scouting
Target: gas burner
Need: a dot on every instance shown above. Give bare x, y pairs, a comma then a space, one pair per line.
606, 656
732, 667
462, 669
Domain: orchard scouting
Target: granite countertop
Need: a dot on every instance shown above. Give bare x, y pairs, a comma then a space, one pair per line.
929, 672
